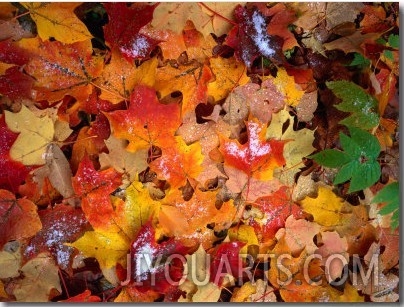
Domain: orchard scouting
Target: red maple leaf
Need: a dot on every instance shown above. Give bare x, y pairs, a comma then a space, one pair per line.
95, 188
276, 207
123, 29
257, 156
147, 122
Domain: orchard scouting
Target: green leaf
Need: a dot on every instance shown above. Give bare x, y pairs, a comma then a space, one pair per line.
346, 172
360, 60
330, 158
364, 175
394, 41
390, 195
357, 163
355, 100
367, 142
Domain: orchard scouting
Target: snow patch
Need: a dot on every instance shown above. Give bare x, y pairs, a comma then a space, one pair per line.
261, 39
139, 48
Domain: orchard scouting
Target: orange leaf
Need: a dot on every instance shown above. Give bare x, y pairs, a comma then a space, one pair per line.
282, 17
61, 69
147, 122
190, 81
179, 163
18, 218
95, 189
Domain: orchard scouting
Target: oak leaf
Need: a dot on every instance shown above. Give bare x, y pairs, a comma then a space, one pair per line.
19, 218
141, 124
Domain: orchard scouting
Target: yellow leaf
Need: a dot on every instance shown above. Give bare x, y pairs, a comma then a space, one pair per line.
229, 74
208, 293
3, 293
109, 248
242, 294
35, 134
298, 145
350, 295
117, 87
137, 209
58, 20
40, 280
325, 208
287, 86
243, 233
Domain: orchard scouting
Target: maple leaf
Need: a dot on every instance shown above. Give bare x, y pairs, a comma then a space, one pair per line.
326, 208
228, 74
15, 84
32, 140
118, 87
13, 172
374, 19
58, 21
60, 225
258, 157
191, 82
250, 39
40, 280
192, 221
173, 16
150, 261
332, 244
54, 75
259, 101
127, 163
95, 188
19, 218
298, 144
122, 30
142, 124
281, 18
179, 163
277, 207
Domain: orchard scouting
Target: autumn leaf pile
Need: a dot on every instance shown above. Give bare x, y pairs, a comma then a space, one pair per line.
200, 131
